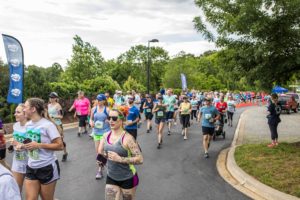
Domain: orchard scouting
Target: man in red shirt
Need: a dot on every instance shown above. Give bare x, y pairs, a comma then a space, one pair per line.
222, 108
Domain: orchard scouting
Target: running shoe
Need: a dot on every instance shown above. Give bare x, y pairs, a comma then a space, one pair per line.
85, 132
158, 146
91, 135
148, 131
78, 134
276, 143
169, 132
64, 157
185, 138
99, 175
206, 155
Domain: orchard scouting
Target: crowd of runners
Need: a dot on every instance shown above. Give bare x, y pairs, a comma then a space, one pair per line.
115, 121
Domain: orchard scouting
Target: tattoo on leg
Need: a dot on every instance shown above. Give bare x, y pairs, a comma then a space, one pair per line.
127, 197
110, 194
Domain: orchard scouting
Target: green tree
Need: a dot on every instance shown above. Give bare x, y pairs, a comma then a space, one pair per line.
86, 62
132, 84
263, 35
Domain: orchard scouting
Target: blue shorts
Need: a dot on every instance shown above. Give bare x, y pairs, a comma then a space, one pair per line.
169, 116
159, 120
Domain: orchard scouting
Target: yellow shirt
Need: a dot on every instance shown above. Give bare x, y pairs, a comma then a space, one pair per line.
185, 108
110, 102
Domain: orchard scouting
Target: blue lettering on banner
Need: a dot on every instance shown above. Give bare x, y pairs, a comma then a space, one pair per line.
15, 59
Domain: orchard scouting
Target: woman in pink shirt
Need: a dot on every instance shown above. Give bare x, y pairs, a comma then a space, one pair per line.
82, 106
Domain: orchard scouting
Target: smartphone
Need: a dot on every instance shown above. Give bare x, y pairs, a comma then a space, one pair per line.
27, 140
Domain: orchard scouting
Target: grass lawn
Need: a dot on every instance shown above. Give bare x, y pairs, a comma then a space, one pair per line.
278, 167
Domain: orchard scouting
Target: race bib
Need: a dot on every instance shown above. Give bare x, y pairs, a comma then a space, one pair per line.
160, 113
207, 116
20, 155
99, 124
34, 154
148, 110
78, 113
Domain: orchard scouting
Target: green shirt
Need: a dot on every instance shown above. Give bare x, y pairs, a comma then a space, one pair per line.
170, 101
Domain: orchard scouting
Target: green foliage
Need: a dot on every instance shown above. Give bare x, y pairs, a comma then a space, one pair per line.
262, 36
86, 62
132, 84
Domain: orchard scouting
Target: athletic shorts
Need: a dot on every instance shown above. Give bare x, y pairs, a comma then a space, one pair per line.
208, 130
82, 120
45, 175
149, 116
126, 184
132, 132
97, 137
169, 116
159, 120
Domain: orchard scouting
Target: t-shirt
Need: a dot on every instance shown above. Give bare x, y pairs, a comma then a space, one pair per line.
82, 106
110, 102
231, 106
9, 189
221, 106
20, 157
194, 103
273, 117
43, 131
170, 101
208, 113
185, 107
133, 113
119, 100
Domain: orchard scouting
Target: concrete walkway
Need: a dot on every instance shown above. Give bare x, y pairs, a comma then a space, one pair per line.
256, 130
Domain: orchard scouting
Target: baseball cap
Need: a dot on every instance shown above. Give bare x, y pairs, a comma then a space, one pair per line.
53, 95
101, 97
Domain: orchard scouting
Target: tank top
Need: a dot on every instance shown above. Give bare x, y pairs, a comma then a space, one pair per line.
150, 107
100, 125
161, 113
53, 111
115, 170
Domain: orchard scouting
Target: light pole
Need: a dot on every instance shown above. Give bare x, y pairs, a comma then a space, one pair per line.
148, 65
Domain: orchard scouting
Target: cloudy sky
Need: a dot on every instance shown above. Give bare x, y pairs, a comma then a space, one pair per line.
46, 27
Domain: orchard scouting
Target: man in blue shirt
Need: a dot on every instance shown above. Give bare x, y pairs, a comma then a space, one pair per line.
132, 118
209, 115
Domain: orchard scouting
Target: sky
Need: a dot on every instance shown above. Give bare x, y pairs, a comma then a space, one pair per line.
46, 27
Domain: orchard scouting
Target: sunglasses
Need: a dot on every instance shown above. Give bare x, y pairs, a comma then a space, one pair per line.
114, 118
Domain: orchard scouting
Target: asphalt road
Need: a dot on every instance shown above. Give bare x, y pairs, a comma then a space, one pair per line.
176, 171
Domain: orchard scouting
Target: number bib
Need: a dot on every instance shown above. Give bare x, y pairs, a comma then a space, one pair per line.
99, 124
148, 110
207, 116
34, 154
78, 113
160, 113
21, 155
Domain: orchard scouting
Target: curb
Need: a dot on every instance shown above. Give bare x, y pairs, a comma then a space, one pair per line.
65, 127
240, 180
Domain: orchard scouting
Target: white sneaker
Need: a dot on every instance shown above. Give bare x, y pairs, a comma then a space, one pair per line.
91, 135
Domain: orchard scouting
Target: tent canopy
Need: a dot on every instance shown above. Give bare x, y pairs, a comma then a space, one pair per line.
278, 89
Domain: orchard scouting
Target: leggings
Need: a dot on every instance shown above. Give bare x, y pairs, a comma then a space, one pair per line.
273, 129
185, 120
230, 115
194, 114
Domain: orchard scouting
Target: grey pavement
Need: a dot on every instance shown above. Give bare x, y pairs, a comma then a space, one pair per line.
256, 129
177, 171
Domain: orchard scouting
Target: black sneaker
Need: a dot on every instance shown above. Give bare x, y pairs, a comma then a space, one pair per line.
148, 131
206, 155
85, 132
64, 158
158, 146
78, 134
169, 132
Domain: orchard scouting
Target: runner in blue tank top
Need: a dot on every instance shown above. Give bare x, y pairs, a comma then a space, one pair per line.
100, 125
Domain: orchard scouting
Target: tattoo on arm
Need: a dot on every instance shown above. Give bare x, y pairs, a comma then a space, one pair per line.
136, 156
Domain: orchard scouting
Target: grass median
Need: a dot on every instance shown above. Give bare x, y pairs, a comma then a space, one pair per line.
278, 167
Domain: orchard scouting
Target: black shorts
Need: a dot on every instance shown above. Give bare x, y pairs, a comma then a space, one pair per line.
126, 184
44, 175
185, 120
208, 130
169, 116
149, 116
132, 132
2, 153
82, 120
159, 120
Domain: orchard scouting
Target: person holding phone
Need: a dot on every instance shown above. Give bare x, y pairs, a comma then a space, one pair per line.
43, 138
122, 153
